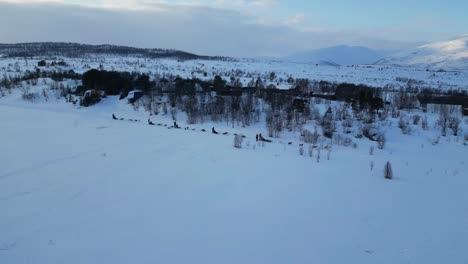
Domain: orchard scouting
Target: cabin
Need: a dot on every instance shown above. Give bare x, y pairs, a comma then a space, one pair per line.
134, 95
91, 97
94, 93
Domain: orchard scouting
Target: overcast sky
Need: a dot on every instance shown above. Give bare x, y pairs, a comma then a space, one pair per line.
235, 27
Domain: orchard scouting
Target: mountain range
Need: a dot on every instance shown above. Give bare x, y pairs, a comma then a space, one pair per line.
446, 55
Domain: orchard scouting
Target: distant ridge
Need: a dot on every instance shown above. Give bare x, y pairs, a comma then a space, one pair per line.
77, 50
338, 55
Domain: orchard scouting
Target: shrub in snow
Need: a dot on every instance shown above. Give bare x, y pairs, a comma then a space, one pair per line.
45, 94
383, 115
28, 96
310, 137
347, 125
424, 123
311, 151
90, 100
348, 142
165, 108
395, 113
174, 113
342, 140
369, 131
238, 141
315, 113
454, 124
381, 141
42, 63
443, 120
416, 119
407, 130
328, 123
404, 125
388, 173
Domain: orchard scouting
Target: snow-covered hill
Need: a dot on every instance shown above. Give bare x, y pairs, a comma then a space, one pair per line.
448, 55
342, 55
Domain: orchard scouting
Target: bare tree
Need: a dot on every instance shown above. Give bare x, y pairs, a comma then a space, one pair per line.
311, 150
388, 173
381, 141
454, 124
416, 119
238, 141
424, 123
443, 119
328, 123
165, 108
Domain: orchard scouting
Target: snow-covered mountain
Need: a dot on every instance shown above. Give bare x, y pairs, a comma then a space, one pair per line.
452, 54
342, 55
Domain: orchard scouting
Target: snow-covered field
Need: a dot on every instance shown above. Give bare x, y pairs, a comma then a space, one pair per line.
79, 187
248, 69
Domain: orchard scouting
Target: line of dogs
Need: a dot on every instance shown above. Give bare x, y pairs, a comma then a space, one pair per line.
175, 125
258, 137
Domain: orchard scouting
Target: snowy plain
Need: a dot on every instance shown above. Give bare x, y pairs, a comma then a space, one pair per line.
248, 69
79, 187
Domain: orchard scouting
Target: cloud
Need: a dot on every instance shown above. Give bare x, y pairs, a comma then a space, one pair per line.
297, 19
185, 26
246, 3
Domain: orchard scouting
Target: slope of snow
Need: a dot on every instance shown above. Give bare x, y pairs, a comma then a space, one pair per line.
449, 55
342, 55
78, 187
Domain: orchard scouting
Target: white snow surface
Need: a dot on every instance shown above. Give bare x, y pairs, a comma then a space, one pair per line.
79, 187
